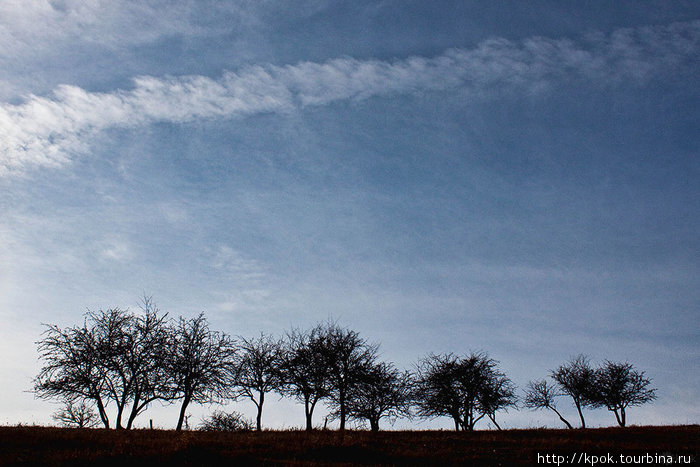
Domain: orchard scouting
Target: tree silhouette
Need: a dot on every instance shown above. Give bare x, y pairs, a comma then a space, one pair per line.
72, 368
201, 364
116, 357
135, 356
541, 395
464, 388
304, 371
381, 392
257, 371
618, 386
576, 378
497, 394
347, 357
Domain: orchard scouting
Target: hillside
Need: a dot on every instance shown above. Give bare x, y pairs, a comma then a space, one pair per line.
63, 447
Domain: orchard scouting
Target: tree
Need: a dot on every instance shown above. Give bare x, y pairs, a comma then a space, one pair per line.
110, 330
381, 392
201, 364
303, 369
497, 394
541, 395
135, 356
437, 392
576, 378
116, 356
257, 371
464, 388
76, 413
73, 369
347, 357
618, 386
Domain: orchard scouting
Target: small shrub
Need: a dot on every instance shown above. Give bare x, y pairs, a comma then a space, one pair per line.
77, 414
225, 421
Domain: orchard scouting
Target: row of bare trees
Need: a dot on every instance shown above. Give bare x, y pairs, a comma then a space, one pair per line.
124, 361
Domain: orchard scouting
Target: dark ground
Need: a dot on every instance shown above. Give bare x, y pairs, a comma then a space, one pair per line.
70, 446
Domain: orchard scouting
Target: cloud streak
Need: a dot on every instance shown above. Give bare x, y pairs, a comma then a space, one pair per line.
37, 26
49, 131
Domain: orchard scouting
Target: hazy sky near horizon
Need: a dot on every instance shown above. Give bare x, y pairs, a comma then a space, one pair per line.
520, 178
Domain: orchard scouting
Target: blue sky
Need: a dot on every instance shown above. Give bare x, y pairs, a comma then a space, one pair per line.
514, 177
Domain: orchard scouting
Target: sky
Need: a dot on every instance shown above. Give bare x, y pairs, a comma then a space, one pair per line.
518, 178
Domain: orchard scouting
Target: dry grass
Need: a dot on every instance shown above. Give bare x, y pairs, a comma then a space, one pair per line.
62, 446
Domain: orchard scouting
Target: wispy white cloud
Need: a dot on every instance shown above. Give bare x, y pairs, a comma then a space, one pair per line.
38, 26
48, 131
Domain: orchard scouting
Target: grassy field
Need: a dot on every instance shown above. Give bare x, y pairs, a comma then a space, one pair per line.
66, 446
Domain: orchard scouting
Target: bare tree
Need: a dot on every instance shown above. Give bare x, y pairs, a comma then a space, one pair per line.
76, 413
136, 358
498, 394
110, 330
381, 392
201, 364
257, 371
304, 372
464, 388
576, 378
73, 368
347, 358
541, 395
437, 393
115, 357
618, 386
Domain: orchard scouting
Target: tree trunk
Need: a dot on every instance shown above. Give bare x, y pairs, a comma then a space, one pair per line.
620, 416
623, 416
132, 416
103, 413
342, 412
258, 420
562, 418
472, 421
183, 410
580, 414
617, 416
493, 419
374, 424
135, 409
120, 410
309, 411
130, 422
121, 402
